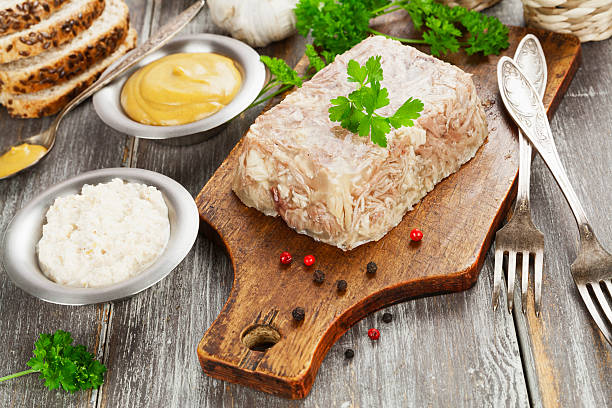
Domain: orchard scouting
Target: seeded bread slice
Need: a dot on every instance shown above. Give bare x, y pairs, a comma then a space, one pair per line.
17, 15
50, 101
67, 61
58, 29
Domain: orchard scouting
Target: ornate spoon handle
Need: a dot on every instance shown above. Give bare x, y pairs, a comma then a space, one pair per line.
526, 108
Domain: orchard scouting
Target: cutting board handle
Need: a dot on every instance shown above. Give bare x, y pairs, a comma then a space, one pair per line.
255, 342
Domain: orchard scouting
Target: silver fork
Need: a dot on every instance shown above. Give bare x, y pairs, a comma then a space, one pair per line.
520, 235
592, 269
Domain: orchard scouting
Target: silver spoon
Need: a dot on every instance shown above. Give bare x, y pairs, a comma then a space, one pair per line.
520, 235
46, 138
592, 268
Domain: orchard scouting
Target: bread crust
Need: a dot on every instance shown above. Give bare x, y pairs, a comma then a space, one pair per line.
60, 71
32, 42
36, 108
26, 14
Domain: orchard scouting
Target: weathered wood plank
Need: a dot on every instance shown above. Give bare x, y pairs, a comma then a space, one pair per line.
84, 143
573, 361
567, 361
166, 322
418, 362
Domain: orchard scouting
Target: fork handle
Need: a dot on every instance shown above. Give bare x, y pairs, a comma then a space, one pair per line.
522, 195
525, 106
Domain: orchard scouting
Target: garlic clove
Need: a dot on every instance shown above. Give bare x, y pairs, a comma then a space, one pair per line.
256, 22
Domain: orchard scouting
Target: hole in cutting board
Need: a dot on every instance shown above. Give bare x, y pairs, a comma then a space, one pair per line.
260, 337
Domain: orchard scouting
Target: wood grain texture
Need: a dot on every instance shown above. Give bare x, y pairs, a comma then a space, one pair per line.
569, 351
83, 143
438, 351
459, 217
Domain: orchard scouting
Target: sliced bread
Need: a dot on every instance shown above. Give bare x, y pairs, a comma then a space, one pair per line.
61, 64
51, 100
58, 29
17, 15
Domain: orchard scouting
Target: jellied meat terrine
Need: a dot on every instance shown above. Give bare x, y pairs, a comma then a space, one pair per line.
340, 188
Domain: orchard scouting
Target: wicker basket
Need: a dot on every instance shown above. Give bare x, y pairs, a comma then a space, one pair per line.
589, 20
471, 4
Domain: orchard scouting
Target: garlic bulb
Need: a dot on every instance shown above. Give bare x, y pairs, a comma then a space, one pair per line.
256, 22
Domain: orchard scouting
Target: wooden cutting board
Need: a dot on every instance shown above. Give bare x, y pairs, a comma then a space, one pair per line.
255, 342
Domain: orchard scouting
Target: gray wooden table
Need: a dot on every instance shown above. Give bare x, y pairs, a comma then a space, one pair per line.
450, 350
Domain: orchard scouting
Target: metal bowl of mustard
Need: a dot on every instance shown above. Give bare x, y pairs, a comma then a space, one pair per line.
108, 101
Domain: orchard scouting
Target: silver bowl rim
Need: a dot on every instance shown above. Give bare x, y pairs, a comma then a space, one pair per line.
27, 275
254, 77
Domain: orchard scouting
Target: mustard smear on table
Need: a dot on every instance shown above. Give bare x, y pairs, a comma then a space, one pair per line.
20, 157
180, 88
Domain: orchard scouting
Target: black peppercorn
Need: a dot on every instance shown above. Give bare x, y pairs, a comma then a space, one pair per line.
341, 285
349, 354
387, 317
318, 277
371, 268
298, 314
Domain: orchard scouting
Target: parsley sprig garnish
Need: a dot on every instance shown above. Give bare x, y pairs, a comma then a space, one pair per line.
283, 77
357, 112
61, 364
338, 25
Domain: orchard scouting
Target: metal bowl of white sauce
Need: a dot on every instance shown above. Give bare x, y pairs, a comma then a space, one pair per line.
25, 230
107, 101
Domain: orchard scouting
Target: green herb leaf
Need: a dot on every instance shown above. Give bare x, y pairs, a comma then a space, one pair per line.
369, 96
407, 113
281, 71
62, 365
338, 25
314, 60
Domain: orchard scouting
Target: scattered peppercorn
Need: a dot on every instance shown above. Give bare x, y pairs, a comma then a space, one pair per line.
298, 314
416, 235
319, 276
387, 317
341, 285
373, 334
349, 354
371, 268
286, 258
309, 260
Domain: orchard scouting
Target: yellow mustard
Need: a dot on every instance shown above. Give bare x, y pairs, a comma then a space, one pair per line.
180, 88
20, 157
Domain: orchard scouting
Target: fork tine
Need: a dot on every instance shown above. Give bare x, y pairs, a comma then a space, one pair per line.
538, 266
497, 276
524, 280
586, 297
603, 303
511, 278
609, 286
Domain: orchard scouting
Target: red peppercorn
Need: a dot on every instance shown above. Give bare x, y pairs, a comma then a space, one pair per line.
286, 258
309, 260
416, 235
373, 334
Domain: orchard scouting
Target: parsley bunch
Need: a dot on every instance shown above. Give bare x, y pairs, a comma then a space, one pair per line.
338, 25
357, 112
61, 364
283, 77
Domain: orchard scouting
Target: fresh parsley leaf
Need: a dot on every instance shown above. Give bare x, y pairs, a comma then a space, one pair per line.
368, 97
62, 365
314, 60
338, 25
281, 71
356, 73
408, 112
